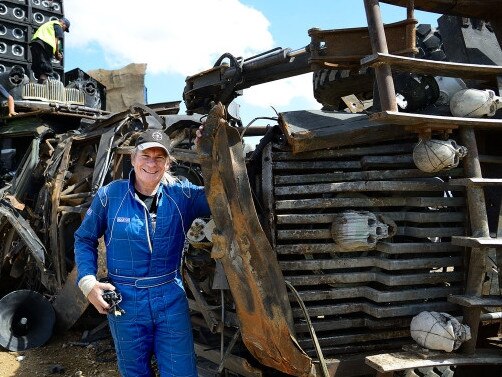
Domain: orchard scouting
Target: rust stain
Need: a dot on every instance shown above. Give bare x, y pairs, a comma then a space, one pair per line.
253, 273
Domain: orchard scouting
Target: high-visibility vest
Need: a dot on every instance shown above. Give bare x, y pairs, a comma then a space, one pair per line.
47, 34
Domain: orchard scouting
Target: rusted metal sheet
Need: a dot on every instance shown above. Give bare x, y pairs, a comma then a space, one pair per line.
56, 187
254, 277
346, 47
24, 229
70, 303
313, 130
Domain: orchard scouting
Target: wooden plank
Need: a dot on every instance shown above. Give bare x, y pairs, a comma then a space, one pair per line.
430, 232
475, 301
232, 363
469, 182
432, 121
374, 276
382, 162
377, 311
483, 158
416, 217
342, 323
434, 68
358, 337
389, 362
371, 175
412, 248
325, 234
316, 165
379, 262
368, 202
384, 247
359, 186
302, 234
306, 249
375, 295
346, 152
480, 242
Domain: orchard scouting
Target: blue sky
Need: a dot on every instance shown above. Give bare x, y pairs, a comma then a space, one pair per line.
176, 39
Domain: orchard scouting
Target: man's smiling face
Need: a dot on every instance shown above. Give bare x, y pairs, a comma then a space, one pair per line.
150, 166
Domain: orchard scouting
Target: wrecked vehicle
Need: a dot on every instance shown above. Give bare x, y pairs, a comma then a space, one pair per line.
326, 240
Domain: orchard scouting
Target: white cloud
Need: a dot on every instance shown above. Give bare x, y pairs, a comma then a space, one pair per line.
170, 36
281, 93
181, 37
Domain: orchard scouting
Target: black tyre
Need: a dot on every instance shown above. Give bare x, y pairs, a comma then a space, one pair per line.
332, 84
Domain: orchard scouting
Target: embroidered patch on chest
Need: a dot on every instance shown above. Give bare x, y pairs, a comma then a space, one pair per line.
123, 220
89, 212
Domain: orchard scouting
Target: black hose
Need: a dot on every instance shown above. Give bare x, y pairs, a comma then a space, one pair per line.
324, 366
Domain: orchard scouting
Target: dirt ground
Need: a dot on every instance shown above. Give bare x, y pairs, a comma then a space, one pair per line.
63, 355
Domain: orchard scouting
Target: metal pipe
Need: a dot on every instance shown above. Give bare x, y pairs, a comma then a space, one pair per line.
479, 228
378, 40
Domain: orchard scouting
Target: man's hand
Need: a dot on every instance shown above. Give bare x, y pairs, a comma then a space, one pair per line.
96, 299
198, 134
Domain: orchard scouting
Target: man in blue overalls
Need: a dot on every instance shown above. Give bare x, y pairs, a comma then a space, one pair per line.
144, 220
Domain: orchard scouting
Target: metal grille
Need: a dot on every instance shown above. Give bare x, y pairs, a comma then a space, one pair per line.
34, 91
52, 91
364, 300
55, 91
75, 96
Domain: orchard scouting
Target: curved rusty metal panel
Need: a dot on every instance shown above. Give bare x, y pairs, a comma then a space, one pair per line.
486, 9
239, 242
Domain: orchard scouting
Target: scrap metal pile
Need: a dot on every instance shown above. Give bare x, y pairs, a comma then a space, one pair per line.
324, 242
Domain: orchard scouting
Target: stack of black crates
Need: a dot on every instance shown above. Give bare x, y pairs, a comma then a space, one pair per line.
19, 20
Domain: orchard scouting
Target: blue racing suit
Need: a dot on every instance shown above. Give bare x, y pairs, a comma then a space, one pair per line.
144, 265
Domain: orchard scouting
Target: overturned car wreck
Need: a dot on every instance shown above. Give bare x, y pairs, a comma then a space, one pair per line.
324, 241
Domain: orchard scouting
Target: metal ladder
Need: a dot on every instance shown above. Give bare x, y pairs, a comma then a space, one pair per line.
478, 244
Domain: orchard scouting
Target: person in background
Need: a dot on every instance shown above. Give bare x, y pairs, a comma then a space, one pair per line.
10, 100
45, 45
144, 220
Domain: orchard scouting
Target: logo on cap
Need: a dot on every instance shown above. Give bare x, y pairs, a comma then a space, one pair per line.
157, 135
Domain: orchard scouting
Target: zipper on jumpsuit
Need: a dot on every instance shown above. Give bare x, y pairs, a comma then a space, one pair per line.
148, 222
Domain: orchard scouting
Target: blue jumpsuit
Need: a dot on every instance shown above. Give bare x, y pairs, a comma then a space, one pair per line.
144, 265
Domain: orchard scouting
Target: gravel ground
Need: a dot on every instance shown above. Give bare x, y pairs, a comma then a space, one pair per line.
63, 355
66, 355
